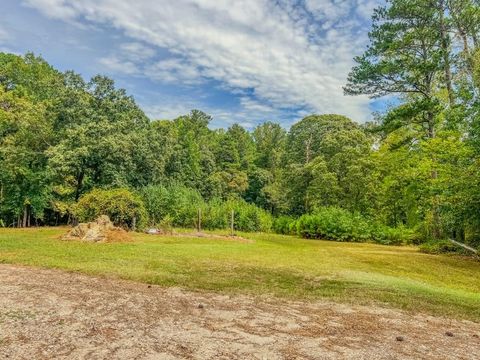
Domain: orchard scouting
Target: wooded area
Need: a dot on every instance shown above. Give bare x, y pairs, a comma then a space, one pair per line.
412, 173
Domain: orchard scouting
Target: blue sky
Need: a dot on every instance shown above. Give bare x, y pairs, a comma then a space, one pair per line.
243, 61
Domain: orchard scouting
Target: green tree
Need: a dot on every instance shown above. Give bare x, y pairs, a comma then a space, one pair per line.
99, 136
192, 159
29, 89
25, 134
408, 56
325, 164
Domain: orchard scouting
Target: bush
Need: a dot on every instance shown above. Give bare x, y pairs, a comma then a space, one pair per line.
247, 217
122, 206
215, 215
391, 236
178, 202
440, 247
165, 225
284, 225
181, 205
265, 221
333, 223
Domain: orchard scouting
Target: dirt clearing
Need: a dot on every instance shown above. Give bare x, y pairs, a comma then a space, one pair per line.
46, 314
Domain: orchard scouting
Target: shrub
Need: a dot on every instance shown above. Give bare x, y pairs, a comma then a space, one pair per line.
122, 206
215, 215
176, 201
284, 225
181, 205
166, 224
391, 236
439, 247
247, 217
265, 221
333, 223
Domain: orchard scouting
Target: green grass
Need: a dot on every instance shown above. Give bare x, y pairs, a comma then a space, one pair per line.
399, 277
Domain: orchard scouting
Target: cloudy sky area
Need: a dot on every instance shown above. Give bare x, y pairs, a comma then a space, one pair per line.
244, 61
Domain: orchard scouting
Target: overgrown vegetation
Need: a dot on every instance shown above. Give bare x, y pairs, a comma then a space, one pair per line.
181, 206
332, 223
412, 175
124, 208
177, 202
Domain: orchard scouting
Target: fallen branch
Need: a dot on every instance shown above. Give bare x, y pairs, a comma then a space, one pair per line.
464, 246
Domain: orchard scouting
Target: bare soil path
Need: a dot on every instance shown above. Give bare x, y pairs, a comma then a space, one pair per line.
51, 314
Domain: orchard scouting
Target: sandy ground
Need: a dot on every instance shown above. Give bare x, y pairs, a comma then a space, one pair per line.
50, 314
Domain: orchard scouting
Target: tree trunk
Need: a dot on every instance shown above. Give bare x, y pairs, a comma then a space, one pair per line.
434, 176
25, 215
431, 126
466, 49
460, 27
199, 224
466, 52
444, 41
78, 189
74, 221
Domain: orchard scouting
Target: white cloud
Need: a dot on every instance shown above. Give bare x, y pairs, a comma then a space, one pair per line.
168, 111
55, 9
170, 108
116, 65
137, 51
248, 114
174, 70
255, 106
265, 45
6, 42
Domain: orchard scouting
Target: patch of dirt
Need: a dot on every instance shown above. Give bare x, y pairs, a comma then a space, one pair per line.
50, 314
117, 235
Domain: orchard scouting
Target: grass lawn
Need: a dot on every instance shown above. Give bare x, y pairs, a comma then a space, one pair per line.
285, 266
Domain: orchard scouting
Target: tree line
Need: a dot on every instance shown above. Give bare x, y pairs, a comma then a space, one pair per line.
415, 167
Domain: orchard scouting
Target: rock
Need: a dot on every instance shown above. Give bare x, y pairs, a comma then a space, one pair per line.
95, 231
159, 231
448, 333
104, 222
400, 338
200, 306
